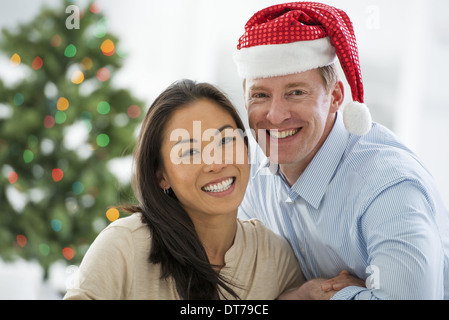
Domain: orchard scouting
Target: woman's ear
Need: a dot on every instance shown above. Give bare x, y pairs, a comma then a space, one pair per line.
161, 180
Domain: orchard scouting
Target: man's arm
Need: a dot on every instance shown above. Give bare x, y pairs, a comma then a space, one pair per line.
404, 251
403, 245
322, 289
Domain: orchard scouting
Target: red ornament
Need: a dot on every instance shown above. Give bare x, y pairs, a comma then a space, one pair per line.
37, 63
133, 111
103, 74
21, 240
68, 253
12, 176
57, 174
95, 7
49, 122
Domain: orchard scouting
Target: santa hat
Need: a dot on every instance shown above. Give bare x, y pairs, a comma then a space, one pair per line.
295, 37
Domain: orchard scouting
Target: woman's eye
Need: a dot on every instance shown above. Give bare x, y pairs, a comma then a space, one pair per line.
226, 140
189, 153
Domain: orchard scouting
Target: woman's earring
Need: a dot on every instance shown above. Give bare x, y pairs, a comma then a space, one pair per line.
165, 191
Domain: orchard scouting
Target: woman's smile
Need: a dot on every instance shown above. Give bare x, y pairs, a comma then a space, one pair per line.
220, 187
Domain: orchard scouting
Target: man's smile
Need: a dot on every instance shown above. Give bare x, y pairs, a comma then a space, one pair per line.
282, 134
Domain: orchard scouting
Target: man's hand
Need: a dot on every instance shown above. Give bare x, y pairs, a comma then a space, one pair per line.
311, 290
344, 279
322, 289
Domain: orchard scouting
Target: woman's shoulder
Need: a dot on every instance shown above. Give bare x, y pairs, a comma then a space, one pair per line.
132, 223
108, 267
130, 230
120, 243
251, 224
261, 233
254, 225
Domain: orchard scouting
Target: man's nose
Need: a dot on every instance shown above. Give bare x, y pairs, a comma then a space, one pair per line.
278, 112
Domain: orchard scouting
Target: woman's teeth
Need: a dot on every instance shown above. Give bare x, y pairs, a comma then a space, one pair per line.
282, 134
219, 187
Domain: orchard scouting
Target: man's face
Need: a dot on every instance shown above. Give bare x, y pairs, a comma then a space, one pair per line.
293, 114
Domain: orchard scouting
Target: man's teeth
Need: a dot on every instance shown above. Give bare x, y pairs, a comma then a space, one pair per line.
282, 134
219, 187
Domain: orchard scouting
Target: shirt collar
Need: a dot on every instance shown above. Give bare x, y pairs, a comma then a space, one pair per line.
266, 165
312, 184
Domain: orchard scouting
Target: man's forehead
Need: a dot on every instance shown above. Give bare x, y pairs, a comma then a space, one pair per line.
285, 82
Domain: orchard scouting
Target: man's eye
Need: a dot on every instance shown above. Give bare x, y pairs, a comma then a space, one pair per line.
296, 93
259, 95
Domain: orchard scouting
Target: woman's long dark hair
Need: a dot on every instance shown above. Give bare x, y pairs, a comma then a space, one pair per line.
175, 244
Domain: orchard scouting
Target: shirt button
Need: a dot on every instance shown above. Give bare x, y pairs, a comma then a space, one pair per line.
303, 250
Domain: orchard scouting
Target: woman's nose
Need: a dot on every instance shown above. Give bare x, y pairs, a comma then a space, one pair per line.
214, 162
214, 167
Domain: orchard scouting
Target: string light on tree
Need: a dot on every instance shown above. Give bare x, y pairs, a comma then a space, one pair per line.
15, 59
62, 104
108, 47
112, 214
77, 77
70, 51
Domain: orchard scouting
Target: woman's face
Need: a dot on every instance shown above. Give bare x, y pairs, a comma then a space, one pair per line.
205, 160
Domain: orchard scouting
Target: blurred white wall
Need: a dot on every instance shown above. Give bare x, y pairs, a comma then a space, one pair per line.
403, 48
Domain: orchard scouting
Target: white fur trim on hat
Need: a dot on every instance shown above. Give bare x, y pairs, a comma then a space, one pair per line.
357, 118
273, 60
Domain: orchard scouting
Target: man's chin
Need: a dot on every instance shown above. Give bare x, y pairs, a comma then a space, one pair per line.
280, 159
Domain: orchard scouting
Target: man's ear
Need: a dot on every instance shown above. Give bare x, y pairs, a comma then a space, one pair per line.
337, 96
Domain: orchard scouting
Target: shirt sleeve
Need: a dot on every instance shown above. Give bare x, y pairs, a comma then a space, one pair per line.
404, 249
106, 270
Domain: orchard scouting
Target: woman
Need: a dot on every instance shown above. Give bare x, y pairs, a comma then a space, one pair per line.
183, 240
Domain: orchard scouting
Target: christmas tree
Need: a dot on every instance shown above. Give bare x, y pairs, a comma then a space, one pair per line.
59, 128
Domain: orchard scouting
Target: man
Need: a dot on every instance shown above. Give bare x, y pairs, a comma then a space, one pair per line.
344, 191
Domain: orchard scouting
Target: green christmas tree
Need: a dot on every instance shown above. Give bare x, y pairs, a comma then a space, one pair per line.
59, 128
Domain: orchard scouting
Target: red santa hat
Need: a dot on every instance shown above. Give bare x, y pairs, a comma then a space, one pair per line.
295, 37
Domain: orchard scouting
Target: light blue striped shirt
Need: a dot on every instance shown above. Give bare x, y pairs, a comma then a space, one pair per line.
364, 204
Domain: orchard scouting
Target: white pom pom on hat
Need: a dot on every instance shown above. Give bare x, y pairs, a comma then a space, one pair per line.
296, 37
357, 118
